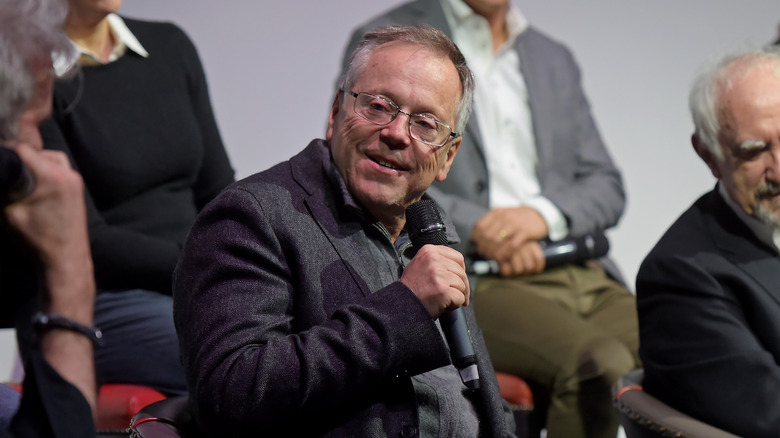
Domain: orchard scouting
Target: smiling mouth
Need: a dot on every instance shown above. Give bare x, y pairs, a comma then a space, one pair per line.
385, 163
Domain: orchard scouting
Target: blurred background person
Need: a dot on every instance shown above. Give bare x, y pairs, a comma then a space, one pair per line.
46, 277
138, 125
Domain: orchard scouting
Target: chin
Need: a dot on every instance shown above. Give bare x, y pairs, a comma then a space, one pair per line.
768, 212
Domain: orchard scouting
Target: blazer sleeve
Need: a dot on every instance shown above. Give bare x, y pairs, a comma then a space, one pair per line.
703, 337
260, 351
576, 171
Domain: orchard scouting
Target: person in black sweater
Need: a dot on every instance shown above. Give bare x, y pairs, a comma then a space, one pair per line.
46, 277
138, 124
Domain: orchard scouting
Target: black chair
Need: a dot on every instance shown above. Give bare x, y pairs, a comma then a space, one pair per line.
644, 416
169, 418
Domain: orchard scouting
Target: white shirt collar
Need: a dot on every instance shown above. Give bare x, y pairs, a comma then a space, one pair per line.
459, 11
125, 40
765, 233
123, 34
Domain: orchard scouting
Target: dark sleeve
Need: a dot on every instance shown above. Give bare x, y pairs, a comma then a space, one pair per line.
704, 343
51, 406
124, 259
216, 172
259, 350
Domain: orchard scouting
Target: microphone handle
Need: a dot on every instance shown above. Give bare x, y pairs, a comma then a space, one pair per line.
561, 254
453, 324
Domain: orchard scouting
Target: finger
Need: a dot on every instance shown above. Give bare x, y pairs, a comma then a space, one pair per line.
56, 157
462, 286
530, 263
538, 254
16, 215
518, 265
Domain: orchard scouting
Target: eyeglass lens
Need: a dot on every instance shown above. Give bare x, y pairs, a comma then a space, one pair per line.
381, 111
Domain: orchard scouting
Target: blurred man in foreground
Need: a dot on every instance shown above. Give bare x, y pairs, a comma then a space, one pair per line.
46, 275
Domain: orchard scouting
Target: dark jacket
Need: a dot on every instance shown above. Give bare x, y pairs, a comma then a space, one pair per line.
285, 326
708, 297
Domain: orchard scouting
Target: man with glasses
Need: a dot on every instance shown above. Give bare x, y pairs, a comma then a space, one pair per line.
300, 305
533, 169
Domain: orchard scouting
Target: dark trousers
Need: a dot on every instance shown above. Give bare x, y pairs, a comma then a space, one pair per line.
140, 344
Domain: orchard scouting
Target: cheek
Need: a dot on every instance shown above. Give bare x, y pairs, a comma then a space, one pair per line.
432, 160
30, 135
345, 146
749, 176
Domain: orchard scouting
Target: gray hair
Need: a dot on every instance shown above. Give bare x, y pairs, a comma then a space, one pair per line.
429, 38
31, 31
711, 84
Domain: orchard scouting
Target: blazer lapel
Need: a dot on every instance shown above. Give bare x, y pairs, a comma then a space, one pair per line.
345, 235
742, 247
538, 83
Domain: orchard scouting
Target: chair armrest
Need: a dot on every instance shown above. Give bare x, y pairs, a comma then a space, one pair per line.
169, 418
638, 409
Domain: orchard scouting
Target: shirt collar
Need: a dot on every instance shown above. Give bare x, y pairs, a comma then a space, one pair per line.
458, 11
765, 233
125, 40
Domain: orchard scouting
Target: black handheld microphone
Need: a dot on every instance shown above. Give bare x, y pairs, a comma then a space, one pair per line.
425, 226
570, 250
16, 182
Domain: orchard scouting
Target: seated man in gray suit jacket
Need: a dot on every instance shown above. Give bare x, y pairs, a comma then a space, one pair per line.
532, 168
708, 294
299, 307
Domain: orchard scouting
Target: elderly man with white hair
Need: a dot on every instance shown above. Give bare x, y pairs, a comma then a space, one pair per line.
708, 294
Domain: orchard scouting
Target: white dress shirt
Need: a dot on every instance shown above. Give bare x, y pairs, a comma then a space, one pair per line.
503, 113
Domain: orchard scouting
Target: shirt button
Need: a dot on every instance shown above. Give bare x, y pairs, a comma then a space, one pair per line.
408, 431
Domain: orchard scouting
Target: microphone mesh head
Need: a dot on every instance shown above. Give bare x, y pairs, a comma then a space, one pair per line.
424, 224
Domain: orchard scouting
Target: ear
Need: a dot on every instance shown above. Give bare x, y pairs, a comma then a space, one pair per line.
334, 110
704, 152
448, 159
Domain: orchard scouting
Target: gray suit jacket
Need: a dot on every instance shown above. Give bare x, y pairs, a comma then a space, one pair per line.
285, 322
575, 170
708, 298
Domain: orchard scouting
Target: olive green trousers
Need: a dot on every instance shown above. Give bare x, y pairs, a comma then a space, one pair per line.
572, 330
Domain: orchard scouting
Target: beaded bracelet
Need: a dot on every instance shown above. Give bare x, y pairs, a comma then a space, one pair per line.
43, 321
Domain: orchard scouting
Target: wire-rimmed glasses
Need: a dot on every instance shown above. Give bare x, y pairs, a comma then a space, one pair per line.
423, 128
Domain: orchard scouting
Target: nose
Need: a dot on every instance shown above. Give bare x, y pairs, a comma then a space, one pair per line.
396, 133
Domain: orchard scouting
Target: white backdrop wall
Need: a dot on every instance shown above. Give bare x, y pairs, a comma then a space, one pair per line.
272, 67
